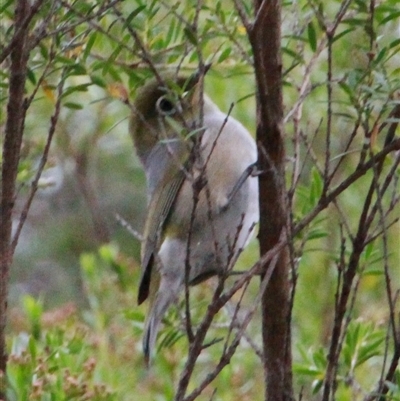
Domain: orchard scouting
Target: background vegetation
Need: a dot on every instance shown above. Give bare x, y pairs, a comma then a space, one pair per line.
74, 330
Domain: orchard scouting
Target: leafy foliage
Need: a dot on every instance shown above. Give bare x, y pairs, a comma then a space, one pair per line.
341, 84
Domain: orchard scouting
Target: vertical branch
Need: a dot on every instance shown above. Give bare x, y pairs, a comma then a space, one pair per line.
265, 38
368, 213
11, 153
329, 116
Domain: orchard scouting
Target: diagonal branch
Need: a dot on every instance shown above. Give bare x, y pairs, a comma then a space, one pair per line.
42, 164
20, 30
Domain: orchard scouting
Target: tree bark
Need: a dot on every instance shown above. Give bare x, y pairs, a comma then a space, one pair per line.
265, 37
11, 154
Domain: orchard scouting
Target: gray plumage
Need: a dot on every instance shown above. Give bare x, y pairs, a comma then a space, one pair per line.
226, 150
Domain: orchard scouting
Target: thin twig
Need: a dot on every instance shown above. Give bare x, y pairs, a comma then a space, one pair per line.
42, 164
219, 299
136, 234
242, 15
359, 242
360, 171
20, 30
229, 351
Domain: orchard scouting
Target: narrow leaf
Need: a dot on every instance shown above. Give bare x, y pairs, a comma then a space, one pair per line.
312, 36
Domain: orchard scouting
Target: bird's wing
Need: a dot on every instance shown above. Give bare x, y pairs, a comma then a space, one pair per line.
159, 209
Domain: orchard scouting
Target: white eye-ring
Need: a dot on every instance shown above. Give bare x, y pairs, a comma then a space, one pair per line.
165, 106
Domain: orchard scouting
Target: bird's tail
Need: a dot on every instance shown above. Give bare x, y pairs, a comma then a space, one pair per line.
164, 298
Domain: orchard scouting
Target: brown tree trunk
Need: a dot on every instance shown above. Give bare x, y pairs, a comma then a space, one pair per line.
11, 153
266, 42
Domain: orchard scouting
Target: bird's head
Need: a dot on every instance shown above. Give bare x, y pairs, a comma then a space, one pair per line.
165, 108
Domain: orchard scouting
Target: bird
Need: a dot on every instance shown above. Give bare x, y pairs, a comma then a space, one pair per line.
202, 195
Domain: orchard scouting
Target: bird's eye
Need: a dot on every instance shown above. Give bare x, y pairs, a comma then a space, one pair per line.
165, 106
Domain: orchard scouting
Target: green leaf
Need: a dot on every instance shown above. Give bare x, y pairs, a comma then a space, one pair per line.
72, 89
373, 272
394, 43
108, 66
31, 76
88, 263
316, 186
369, 351
316, 234
97, 80
348, 90
170, 33
369, 250
76, 69
307, 370
170, 338
292, 54
44, 51
359, 22
32, 347
134, 315
33, 308
224, 55
317, 385
190, 35
65, 60
89, 45
390, 17
5, 5
73, 106
133, 14
341, 34
312, 36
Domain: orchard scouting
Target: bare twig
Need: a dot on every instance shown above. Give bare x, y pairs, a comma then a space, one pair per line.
257, 350
329, 115
188, 319
230, 350
242, 15
145, 54
219, 299
42, 164
359, 242
86, 19
20, 29
351, 179
136, 234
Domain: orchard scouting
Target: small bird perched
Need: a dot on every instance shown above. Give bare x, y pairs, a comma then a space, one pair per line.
203, 201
